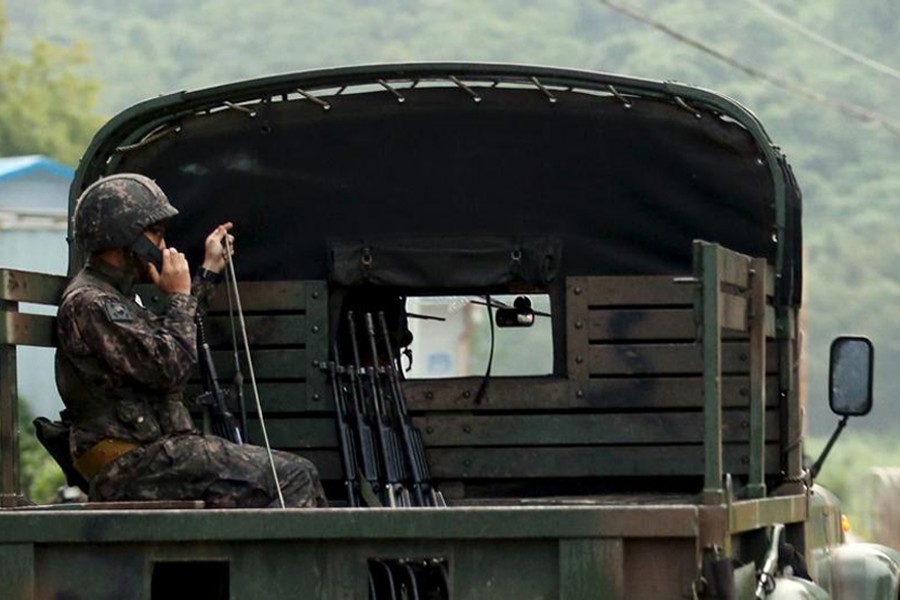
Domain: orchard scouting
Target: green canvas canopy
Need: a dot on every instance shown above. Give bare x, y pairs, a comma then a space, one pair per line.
394, 174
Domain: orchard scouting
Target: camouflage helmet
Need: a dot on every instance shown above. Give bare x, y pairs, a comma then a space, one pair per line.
113, 211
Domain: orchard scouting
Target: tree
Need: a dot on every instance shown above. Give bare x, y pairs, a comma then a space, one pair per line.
46, 105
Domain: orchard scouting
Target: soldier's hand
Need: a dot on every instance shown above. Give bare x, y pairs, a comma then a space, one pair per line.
176, 274
216, 254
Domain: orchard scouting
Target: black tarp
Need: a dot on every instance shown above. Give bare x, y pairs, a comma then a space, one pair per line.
622, 190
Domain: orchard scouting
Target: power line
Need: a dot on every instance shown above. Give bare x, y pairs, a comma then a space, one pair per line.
851, 110
843, 50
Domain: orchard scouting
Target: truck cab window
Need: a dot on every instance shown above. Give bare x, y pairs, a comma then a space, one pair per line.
452, 337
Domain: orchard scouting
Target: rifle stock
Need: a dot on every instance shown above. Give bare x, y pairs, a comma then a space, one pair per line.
213, 397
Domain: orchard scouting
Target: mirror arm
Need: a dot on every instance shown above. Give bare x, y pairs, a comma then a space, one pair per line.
817, 466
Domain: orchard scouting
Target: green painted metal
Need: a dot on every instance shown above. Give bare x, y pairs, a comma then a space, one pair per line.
706, 261
791, 417
756, 487
748, 515
317, 336
592, 568
458, 523
10, 484
577, 340
17, 571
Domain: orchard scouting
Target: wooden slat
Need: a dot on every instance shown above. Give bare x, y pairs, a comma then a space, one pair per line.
734, 312
276, 398
268, 364
669, 359
650, 290
27, 330
607, 461
573, 430
262, 330
28, 286
669, 392
675, 324
643, 324
444, 430
515, 394
553, 463
734, 268
293, 434
280, 296
640, 290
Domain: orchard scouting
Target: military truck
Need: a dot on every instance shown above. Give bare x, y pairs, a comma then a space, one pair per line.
648, 444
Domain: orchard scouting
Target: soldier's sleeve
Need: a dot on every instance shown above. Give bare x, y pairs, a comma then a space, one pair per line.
203, 290
154, 351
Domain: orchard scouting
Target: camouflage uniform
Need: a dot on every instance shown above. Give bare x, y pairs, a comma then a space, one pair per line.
121, 371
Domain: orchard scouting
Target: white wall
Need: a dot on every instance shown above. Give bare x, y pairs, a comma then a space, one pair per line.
36, 191
44, 251
36, 247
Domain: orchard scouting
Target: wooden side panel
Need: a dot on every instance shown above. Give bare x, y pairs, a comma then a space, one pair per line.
442, 430
553, 462
28, 286
600, 394
27, 330
669, 359
641, 290
265, 296
287, 330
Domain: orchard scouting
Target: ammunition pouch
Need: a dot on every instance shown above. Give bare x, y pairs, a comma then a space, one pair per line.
54, 437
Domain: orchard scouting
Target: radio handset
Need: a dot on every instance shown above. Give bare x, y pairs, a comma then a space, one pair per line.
147, 251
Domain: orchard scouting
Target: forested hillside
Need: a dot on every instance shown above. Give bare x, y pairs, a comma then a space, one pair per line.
847, 168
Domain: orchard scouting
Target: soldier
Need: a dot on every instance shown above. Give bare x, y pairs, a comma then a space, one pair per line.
121, 370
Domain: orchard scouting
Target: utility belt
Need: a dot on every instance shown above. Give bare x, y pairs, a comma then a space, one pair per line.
101, 454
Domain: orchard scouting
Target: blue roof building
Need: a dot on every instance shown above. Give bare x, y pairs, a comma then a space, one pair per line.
34, 183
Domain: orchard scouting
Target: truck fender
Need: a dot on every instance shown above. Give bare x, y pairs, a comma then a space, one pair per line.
863, 571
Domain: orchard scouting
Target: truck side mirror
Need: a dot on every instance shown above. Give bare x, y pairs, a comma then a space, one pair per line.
849, 385
850, 376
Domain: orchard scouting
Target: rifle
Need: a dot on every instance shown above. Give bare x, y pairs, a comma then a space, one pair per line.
213, 397
391, 459
413, 447
345, 438
367, 462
